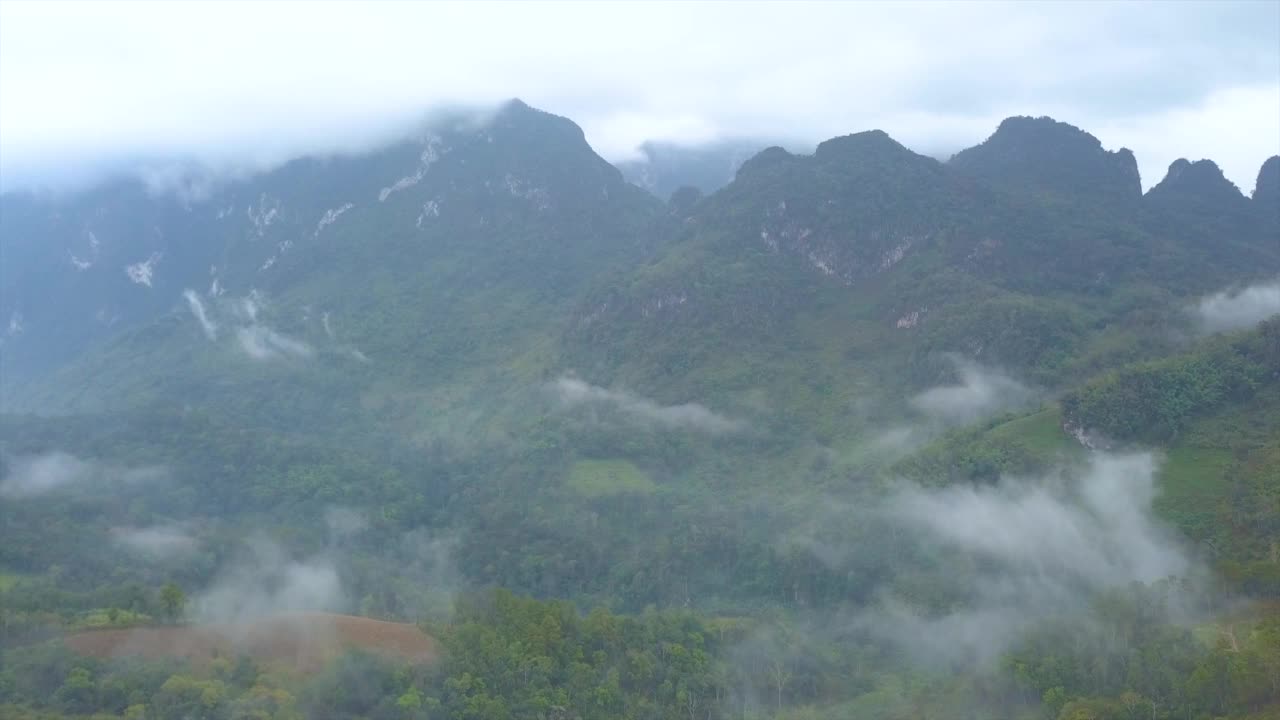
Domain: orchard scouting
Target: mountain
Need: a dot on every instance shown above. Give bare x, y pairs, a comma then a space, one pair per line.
868, 252
1196, 206
508, 250
1200, 184
804, 435
517, 212
79, 269
1052, 158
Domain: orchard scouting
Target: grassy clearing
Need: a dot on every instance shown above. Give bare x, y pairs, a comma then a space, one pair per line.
1193, 487
601, 478
1039, 433
101, 618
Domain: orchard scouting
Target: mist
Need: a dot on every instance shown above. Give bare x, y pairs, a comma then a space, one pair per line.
266, 580
1239, 309
1026, 550
157, 541
980, 392
260, 342
37, 475
572, 392
197, 309
344, 523
254, 338
41, 474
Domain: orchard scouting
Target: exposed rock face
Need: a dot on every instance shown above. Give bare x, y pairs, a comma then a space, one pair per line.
1052, 157
1086, 438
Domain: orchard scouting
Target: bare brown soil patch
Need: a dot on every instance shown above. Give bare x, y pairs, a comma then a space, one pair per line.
304, 641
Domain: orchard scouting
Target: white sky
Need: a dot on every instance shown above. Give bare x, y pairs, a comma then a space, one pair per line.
85, 86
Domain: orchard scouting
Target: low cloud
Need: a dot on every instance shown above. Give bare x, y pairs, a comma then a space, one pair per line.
980, 392
190, 183
268, 581
158, 541
572, 392
262, 343
344, 523
198, 310
254, 337
1031, 550
259, 341
427, 561
41, 474
350, 351
36, 475
1238, 309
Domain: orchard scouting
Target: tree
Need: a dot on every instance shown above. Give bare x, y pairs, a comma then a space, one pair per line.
780, 673
173, 600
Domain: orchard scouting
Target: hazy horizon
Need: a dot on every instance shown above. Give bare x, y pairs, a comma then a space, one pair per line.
238, 86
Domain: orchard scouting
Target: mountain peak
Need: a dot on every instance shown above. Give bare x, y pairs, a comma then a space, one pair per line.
515, 104
1043, 127
1267, 188
1045, 155
768, 157
860, 146
1202, 179
540, 125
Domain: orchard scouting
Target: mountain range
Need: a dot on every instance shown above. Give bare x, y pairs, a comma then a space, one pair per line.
507, 245
849, 433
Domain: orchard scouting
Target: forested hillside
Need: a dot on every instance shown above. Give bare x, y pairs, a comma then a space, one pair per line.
860, 434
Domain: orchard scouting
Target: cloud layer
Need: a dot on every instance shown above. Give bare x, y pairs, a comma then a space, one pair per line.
228, 85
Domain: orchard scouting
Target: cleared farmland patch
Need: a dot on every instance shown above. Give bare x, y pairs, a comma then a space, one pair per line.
304, 641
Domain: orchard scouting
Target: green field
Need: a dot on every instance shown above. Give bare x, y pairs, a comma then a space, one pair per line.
1039, 433
8, 580
602, 478
1192, 488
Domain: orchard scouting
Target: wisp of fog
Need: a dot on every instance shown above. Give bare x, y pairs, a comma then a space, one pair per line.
980, 392
1239, 309
573, 392
267, 581
1025, 550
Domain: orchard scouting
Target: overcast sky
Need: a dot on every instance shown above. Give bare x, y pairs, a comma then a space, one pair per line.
86, 85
